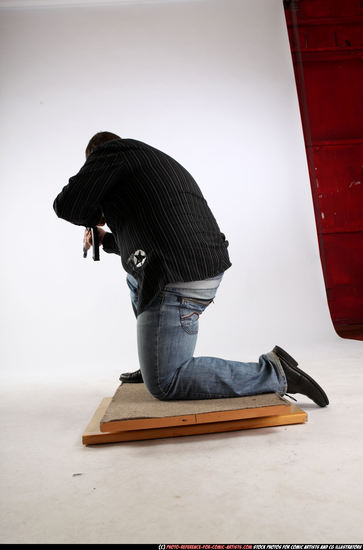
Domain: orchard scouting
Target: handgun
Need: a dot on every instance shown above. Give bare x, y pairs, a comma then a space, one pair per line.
95, 244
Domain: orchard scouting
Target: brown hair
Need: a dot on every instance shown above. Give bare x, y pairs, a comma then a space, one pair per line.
98, 139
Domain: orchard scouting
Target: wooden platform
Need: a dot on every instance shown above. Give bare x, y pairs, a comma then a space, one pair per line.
93, 434
134, 414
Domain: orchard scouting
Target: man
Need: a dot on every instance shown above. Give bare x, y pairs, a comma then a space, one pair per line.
175, 256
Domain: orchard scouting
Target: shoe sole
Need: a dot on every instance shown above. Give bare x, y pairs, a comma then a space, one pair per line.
130, 380
293, 364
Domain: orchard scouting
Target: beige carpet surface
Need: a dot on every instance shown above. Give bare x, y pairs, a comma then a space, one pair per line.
133, 401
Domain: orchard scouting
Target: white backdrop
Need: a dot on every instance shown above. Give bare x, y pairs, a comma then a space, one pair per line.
208, 82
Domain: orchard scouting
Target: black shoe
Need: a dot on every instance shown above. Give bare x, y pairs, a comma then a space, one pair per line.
298, 381
132, 377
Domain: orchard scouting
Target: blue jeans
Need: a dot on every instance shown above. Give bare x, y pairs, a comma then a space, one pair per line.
166, 337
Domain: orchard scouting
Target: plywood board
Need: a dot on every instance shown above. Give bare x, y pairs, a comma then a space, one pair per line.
93, 435
134, 408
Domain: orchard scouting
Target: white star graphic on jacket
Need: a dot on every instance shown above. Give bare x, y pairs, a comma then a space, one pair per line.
139, 258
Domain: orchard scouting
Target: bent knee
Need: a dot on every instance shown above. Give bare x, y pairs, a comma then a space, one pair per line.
164, 393
162, 396
156, 389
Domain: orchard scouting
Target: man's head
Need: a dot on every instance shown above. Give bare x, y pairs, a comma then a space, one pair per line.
98, 139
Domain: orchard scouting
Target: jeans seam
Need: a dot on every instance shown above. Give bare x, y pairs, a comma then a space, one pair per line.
164, 394
274, 358
213, 395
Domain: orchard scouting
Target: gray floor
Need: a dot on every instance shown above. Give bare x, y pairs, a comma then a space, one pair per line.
286, 484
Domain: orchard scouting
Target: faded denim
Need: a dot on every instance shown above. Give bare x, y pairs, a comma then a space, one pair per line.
166, 337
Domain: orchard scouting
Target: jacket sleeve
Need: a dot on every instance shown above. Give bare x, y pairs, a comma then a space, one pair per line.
80, 202
109, 244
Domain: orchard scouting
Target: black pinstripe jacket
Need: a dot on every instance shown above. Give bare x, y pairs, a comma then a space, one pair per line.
161, 225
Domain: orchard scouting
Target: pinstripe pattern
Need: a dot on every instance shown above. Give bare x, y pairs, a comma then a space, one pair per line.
151, 204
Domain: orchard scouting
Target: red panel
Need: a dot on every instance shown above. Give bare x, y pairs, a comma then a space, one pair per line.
316, 35
344, 282
339, 186
326, 39
334, 94
324, 9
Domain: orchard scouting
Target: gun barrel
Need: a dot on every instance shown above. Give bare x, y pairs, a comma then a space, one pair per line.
95, 244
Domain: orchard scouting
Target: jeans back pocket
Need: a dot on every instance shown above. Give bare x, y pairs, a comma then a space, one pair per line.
190, 310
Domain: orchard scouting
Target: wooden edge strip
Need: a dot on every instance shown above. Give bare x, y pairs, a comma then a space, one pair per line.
93, 435
147, 423
239, 414
199, 418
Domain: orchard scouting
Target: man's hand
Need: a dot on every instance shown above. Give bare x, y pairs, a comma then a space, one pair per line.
87, 240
